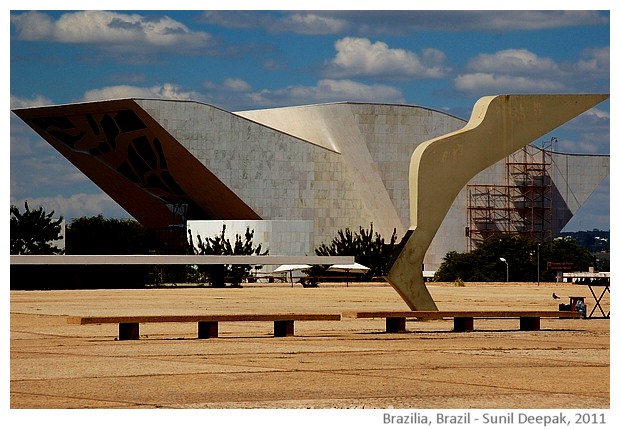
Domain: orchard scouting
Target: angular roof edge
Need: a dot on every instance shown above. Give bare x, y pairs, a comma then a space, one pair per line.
355, 103
236, 110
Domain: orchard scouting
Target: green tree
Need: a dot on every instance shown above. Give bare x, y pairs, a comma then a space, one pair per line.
459, 266
220, 245
33, 231
565, 249
525, 257
96, 235
367, 246
518, 251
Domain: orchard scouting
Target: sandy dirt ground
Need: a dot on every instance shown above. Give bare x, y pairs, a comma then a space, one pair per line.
350, 363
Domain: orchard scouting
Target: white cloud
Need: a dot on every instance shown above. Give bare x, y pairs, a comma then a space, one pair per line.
522, 70
582, 146
292, 22
594, 61
36, 165
33, 25
109, 30
597, 114
360, 57
76, 205
587, 133
167, 90
235, 95
311, 23
373, 22
327, 90
47, 169
533, 19
36, 101
236, 85
497, 83
38, 170
513, 61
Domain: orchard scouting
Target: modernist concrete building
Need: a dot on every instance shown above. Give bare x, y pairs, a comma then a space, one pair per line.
327, 167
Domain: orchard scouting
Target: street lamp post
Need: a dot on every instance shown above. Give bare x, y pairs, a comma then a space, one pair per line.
505, 262
538, 262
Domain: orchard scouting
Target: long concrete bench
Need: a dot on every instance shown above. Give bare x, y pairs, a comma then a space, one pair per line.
129, 326
463, 320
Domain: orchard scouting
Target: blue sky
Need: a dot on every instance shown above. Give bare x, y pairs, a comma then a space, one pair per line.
247, 59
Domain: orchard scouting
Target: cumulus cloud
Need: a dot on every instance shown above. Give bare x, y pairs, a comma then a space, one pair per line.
582, 145
110, 30
37, 170
36, 101
44, 168
406, 22
522, 70
236, 85
35, 164
594, 61
597, 114
327, 90
167, 90
531, 19
592, 131
230, 89
514, 61
236, 94
360, 57
76, 205
492, 82
401, 21
312, 23
293, 22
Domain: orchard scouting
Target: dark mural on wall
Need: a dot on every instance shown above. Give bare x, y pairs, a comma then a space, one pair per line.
121, 141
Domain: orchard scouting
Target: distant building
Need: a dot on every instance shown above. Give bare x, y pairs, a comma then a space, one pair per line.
340, 165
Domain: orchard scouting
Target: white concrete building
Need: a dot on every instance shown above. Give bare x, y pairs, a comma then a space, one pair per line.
331, 166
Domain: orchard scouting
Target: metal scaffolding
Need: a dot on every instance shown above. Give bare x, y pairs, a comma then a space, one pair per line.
521, 206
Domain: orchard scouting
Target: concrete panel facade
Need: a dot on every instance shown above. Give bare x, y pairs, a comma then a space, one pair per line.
280, 176
375, 141
334, 165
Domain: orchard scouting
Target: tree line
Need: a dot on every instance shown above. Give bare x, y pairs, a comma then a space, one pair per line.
518, 258
522, 258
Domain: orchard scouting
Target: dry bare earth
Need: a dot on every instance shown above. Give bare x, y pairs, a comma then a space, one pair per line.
333, 364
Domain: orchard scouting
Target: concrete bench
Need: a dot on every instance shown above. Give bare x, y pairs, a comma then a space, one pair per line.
463, 320
129, 326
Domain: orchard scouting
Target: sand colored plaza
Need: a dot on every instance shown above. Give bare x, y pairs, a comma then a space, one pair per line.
351, 363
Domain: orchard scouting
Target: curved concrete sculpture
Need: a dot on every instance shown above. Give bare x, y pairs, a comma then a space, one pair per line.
499, 125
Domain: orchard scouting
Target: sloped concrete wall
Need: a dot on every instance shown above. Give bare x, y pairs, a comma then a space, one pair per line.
280, 176
344, 164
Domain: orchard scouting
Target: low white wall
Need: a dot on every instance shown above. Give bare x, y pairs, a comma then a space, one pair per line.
279, 237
